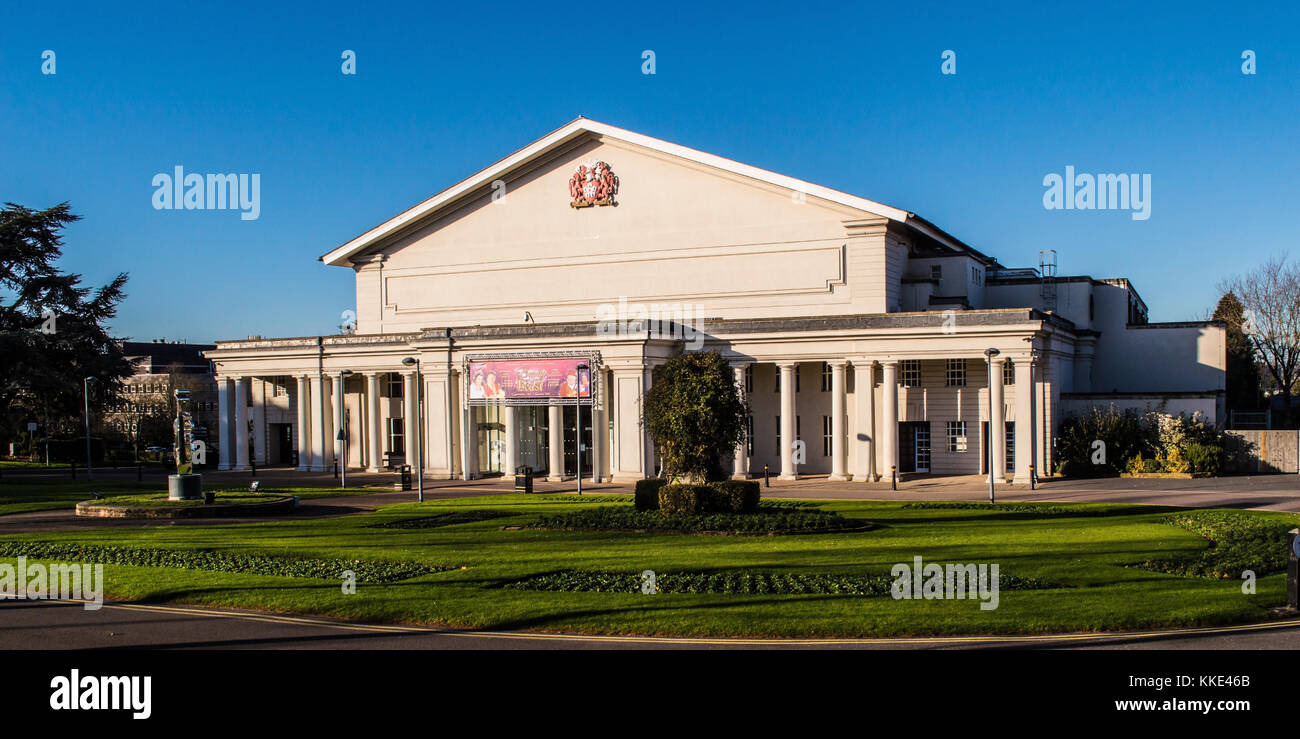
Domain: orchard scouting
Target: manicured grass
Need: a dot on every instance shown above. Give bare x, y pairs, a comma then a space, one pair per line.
1083, 550
18, 495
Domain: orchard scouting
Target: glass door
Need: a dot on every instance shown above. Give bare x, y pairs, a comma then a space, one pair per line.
534, 438
570, 440
491, 439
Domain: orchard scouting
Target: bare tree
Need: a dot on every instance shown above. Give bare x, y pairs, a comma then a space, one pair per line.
1270, 294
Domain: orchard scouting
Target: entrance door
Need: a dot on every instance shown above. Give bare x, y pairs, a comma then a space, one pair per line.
491, 439
570, 440
534, 438
913, 446
285, 437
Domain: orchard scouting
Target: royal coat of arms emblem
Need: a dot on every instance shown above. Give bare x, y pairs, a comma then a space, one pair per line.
593, 185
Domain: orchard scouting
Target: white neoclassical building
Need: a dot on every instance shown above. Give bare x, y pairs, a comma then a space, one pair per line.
857, 331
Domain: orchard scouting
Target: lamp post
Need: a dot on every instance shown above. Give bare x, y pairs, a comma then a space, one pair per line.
343, 434
989, 354
85, 387
419, 429
577, 421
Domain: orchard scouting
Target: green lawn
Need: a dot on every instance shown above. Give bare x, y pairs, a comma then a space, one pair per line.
1081, 548
22, 495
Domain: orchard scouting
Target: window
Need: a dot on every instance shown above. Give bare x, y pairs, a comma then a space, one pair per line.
1008, 373
828, 437
956, 374
909, 372
976, 276
936, 272
957, 436
749, 436
394, 385
1011, 446
395, 432
749, 378
826, 377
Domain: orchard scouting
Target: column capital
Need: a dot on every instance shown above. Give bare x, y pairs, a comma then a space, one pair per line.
786, 363
838, 363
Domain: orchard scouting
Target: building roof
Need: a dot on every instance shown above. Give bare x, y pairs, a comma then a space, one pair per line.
580, 127
158, 357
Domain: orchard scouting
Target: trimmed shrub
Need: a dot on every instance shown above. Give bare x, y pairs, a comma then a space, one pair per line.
687, 500
737, 496
1205, 459
647, 493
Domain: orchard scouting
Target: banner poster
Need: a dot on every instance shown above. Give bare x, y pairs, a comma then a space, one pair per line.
518, 379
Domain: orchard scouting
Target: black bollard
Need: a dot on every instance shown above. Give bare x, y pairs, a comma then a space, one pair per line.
766, 482
252, 465
1033, 478
893, 477
139, 472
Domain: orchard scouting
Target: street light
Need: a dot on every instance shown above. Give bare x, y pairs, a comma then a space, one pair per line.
85, 386
990, 354
577, 421
419, 430
343, 434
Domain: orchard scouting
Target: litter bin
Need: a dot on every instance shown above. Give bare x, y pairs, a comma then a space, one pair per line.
524, 479
406, 477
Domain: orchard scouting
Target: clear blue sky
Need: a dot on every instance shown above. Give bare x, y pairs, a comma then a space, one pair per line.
847, 96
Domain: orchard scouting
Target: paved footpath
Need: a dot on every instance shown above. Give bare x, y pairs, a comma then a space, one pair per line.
1262, 492
46, 625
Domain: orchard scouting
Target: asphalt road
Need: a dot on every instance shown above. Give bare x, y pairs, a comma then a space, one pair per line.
46, 625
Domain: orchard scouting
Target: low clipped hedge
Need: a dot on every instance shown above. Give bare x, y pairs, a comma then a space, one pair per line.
647, 493
724, 496
683, 499
734, 583
766, 521
1238, 542
738, 496
368, 571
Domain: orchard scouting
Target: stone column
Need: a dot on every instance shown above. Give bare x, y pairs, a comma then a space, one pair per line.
240, 418
740, 463
555, 441
509, 419
226, 430
439, 423
864, 434
317, 410
329, 436
303, 406
1024, 419
598, 433
889, 418
787, 370
374, 434
411, 416
997, 424
631, 454
837, 420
